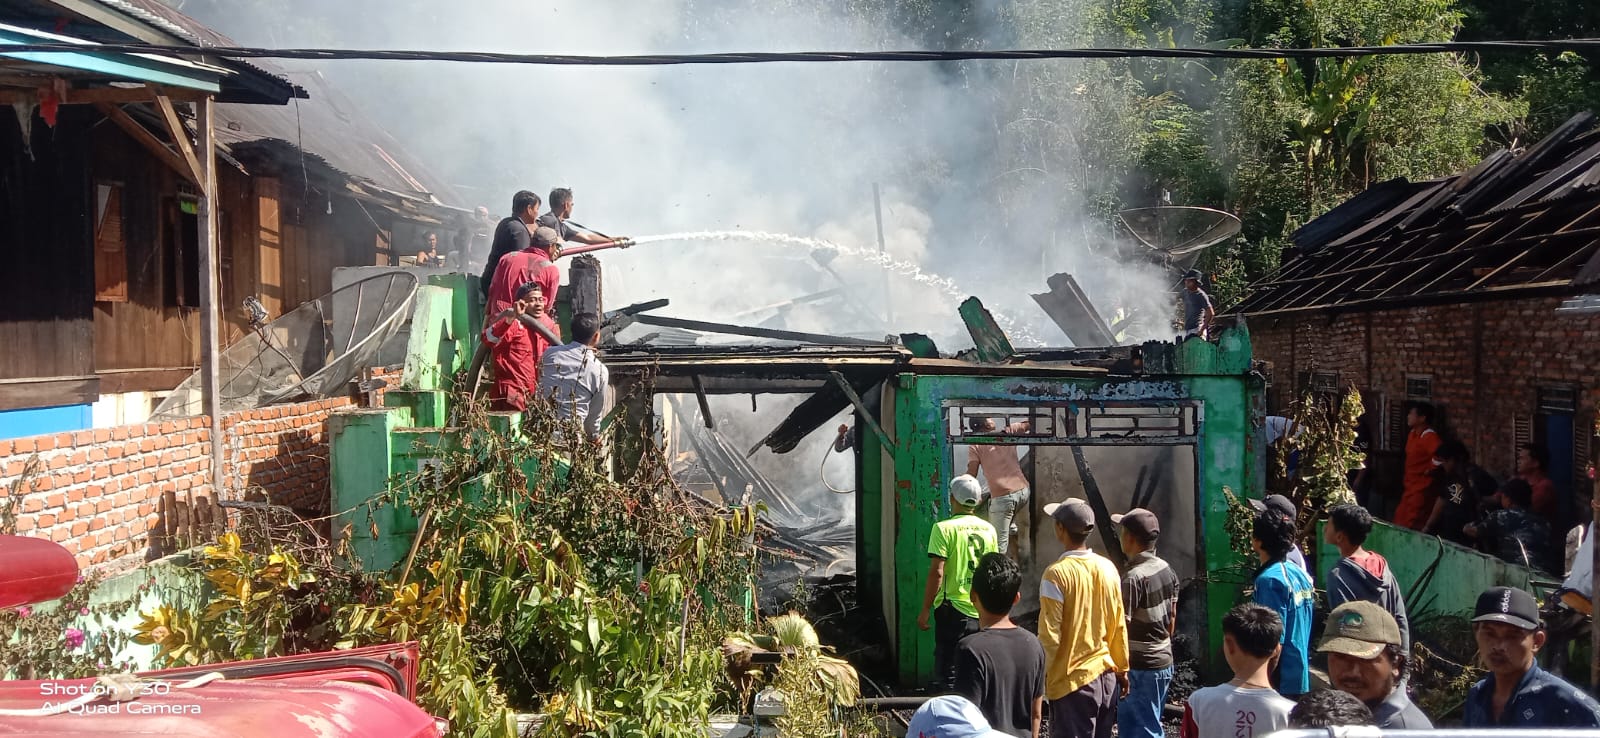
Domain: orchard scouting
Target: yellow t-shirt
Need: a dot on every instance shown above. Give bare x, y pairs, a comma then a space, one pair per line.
1081, 622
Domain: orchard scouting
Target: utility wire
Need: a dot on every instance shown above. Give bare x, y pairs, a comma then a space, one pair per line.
644, 60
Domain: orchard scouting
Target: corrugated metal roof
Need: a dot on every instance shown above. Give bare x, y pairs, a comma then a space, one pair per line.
1518, 222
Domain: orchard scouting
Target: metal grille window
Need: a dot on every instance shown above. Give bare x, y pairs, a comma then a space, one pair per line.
1138, 421
1025, 421
1419, 387
1558, 400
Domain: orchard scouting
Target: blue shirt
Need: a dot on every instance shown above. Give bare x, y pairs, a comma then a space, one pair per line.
1286, 588
1542, 700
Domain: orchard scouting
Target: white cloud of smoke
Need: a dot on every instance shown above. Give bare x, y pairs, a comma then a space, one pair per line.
789, 148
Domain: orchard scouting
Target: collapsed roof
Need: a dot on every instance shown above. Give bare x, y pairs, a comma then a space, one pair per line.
1520, 223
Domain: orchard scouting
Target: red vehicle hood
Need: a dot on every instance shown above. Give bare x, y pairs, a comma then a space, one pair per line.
359, 693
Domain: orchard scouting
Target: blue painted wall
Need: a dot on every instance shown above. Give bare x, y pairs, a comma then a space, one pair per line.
38, 421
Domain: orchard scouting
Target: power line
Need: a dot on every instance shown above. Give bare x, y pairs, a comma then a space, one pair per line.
646, 60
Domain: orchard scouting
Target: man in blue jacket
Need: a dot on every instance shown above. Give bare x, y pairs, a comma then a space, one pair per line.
1287, 590
1517, 693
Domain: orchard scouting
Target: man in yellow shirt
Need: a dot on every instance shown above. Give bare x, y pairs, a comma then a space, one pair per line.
1082, 629
954, 547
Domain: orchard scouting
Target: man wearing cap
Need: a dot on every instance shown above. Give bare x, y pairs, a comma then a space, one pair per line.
1283, 508
1366, 659
1150, 596
1517, 693
954, 548
1083, 630
950, 716
1198, 311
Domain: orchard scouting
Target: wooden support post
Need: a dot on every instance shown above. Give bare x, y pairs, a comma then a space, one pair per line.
883, 250
209, 309
861, 410
705, 402
180, 137
148, 140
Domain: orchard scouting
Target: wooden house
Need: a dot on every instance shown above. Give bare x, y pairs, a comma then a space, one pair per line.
107, 232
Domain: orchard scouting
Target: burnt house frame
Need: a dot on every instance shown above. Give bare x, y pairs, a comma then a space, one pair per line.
1457, 282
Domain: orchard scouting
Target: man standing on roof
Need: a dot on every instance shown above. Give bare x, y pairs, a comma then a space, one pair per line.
1416, 501
1198, 312
513, 234
561, 210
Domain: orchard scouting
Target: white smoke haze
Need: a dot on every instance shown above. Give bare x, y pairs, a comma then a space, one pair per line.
784, 148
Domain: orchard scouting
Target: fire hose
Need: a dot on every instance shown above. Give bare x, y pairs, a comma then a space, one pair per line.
822, 470
112, 687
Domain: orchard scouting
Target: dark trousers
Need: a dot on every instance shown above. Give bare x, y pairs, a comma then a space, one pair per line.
1090, 712
949, 627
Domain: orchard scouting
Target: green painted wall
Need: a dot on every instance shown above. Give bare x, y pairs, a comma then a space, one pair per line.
1215, 377
1438, 577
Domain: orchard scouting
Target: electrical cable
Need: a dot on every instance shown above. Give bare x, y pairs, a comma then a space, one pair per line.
1591, 45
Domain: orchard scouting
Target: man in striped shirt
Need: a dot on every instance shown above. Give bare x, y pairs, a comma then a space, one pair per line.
1150, 595
1082, 629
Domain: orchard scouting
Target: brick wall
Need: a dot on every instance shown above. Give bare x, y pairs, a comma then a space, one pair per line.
99, 492
1487, 361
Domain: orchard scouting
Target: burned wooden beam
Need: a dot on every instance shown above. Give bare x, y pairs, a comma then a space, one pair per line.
1102, 514
705, 402
988, 339
753, 332
1072, 312
861, 410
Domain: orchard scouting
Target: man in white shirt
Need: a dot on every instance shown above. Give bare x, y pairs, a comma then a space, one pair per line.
573, 377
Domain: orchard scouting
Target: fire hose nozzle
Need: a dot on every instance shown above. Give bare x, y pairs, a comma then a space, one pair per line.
623, 243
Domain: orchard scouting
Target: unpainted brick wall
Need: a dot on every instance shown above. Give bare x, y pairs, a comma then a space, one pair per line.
98, 492
1487, 361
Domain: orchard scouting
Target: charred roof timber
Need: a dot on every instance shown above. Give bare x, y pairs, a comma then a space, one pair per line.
1517, 224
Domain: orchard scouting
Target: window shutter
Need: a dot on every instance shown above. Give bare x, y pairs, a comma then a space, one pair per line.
1580, 455
110, 245
1397, 425
1521, 432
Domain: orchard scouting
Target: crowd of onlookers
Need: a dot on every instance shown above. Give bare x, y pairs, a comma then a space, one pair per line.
1103, 655
1443, 493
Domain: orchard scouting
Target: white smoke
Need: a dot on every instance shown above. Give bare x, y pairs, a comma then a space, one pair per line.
786, 148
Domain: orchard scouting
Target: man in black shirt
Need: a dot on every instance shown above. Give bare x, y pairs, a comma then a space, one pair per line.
561, 210
1515, 533
1198, 312
513, 234
1456, 503
1000, 668
1150, 598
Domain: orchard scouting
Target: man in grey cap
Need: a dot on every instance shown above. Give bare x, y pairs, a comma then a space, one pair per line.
1284, 508
1150, 597
1517, 693
1198, 312
1365, 658
1083, 630
954, 547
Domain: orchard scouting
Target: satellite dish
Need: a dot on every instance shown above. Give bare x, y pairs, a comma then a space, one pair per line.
1180, 232
311, 351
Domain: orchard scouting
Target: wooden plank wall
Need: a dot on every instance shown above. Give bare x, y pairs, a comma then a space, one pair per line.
46, 289
148, 331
